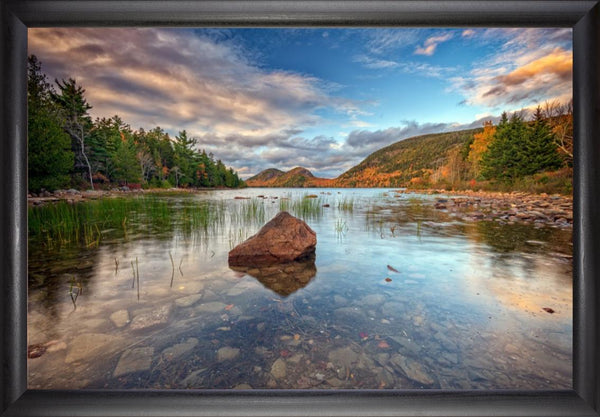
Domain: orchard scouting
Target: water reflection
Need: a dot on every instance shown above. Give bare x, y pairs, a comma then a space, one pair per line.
462, 308
283, 279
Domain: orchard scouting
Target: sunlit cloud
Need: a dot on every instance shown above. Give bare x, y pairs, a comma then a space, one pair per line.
253, 114
180, 80
538, 79
431, 44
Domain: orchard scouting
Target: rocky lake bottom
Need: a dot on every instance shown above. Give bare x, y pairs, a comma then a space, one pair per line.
406, 291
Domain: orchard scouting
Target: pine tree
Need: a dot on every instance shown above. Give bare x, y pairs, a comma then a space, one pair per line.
126, 162
50, 158
541, 146
185, 157
506, 156
75, 108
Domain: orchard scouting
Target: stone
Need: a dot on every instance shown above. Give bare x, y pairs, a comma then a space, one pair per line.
373, 300
134, 360
188, 301
89, 345
279, 369
153, 319
55, 346
120, 318
283, 239
180, 349
227, 353
212, 307
413, 369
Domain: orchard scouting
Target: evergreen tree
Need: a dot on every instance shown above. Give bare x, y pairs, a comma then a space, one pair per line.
541, 146
77, 124
506, 156
50, 158
185, 157
125, 162
104, 139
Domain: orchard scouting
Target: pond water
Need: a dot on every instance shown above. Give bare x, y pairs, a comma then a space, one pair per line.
399, 296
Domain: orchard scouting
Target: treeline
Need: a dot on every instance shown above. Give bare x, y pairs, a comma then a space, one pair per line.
517, 153
66, 148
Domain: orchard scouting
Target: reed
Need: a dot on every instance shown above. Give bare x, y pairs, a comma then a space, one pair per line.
346, 204
307, 208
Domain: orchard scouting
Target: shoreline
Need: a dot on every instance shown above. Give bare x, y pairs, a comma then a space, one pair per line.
503, 207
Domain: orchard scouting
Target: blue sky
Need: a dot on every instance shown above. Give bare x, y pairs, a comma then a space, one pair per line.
320, 98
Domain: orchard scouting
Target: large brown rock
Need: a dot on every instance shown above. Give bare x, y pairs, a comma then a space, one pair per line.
283, 239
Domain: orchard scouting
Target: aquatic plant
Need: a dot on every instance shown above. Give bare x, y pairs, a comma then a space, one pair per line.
346, 204
340, 226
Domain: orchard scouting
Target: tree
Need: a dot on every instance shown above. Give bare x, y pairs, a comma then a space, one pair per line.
176, 172
504, 157
77, 121
103, 140
560, 119
185, 157
480, 143
147, 164
519, 149
126, 162
50, 158
542, 149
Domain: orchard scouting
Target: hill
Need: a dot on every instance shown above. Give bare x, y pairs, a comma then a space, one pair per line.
297, 177
407, 161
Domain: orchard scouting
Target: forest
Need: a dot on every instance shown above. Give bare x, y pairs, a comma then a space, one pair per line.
533, 154
66, 148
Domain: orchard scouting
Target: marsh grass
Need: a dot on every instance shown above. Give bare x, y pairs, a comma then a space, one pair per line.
346, 204
247, 212
341, 227
85, 223
304, 207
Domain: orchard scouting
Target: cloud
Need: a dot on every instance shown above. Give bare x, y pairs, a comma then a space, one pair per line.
408, 67
431, 44
467, 33
385, 40
535, 78
182, 79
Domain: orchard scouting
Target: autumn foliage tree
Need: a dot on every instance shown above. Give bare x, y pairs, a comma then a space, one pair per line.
480, 144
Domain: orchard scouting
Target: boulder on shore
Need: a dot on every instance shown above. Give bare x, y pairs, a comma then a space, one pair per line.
283, 239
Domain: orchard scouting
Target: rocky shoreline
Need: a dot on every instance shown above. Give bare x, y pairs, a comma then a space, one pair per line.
505, 208
74, 196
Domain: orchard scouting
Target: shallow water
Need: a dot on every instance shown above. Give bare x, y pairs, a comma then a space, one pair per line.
400, 296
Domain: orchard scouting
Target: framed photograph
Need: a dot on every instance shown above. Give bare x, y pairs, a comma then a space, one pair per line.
140, 274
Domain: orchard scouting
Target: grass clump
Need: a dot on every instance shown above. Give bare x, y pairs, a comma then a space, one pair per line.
346, 204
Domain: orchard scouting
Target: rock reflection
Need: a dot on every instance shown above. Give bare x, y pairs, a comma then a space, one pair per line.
283, 279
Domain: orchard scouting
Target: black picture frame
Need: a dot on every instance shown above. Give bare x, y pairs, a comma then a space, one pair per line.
17, 15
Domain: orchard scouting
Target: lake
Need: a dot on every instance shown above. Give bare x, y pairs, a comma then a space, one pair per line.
400, 295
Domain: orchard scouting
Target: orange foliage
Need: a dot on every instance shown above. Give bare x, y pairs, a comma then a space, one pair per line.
481, 141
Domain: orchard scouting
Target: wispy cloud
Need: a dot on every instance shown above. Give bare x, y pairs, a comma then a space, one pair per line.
409, 67
181, 80
431, 44
385, 40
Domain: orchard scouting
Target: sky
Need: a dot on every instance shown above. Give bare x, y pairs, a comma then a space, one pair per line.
321, 98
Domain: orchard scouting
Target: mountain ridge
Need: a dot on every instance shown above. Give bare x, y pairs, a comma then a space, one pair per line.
396, 165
